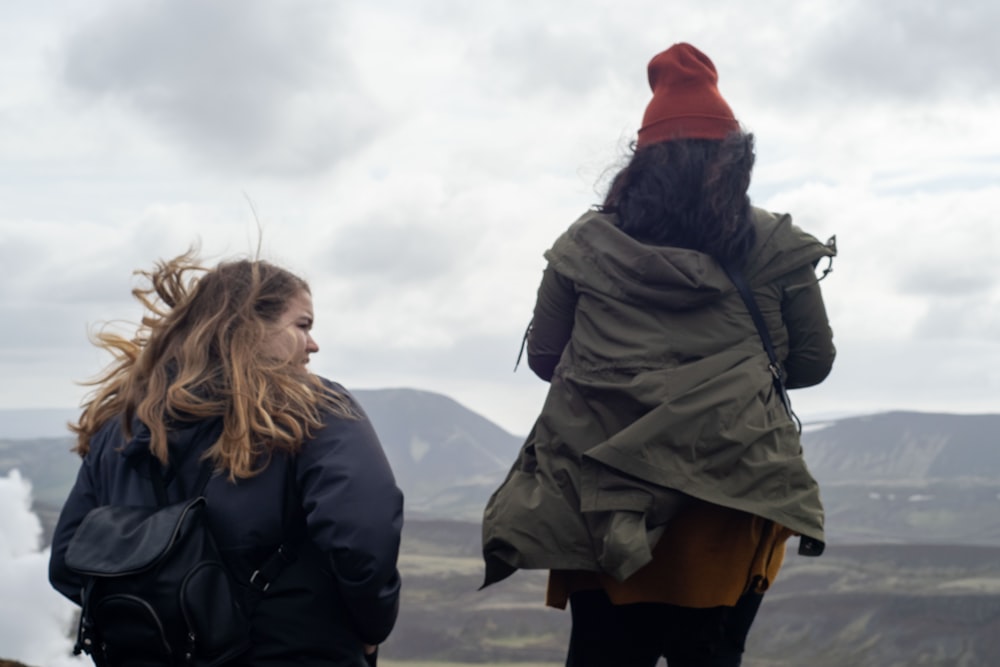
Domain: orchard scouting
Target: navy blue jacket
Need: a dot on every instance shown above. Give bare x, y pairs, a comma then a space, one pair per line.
342, 591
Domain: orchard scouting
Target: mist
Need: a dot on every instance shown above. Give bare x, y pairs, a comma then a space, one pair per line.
35, 621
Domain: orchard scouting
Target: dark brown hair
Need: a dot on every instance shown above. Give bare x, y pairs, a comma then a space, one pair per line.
688, 193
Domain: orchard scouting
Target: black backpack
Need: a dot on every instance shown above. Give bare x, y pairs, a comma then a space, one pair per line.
157, 591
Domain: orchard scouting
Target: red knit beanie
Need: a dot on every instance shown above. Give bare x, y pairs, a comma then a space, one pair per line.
686, 102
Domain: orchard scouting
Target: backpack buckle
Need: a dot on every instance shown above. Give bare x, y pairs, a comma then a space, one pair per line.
263, 576
259, 581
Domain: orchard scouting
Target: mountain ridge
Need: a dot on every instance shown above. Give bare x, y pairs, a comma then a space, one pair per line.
885, 477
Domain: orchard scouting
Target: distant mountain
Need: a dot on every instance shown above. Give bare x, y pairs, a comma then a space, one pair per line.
898, 477
905, 477
446, 458
904, 446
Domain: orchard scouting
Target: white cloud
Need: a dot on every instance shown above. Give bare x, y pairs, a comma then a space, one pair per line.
254, 86
414, 159
910, 50
35, 621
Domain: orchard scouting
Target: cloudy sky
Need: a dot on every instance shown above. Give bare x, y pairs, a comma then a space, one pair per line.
414, 158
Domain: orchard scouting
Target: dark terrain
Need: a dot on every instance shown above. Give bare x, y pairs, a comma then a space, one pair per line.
911, 575
857, 605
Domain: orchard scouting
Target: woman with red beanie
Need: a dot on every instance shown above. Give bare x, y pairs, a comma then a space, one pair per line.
665, 472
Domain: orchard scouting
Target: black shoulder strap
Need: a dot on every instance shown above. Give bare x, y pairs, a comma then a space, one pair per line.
524, 343
736, 276
156, 477
160, 483
808, 546
292, 537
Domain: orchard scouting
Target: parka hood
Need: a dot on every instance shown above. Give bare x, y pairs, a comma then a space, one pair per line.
596, 255
183, 438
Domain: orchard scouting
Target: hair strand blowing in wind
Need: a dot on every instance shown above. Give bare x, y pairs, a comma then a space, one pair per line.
198, 354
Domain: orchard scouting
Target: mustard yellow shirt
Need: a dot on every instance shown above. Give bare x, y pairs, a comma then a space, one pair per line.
708, 557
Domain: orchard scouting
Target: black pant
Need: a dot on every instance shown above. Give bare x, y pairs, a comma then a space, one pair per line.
637, 635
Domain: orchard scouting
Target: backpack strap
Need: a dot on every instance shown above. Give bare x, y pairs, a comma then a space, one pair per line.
160, 484
808, 546
287, 551
736, 276
283, 556
86, 637
524, 343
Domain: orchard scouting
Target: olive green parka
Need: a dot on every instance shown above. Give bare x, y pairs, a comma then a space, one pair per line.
661, 393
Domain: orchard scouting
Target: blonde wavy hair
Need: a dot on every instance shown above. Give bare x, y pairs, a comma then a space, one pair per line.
197, 355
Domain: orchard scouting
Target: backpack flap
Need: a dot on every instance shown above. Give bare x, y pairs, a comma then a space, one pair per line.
156, 590
115, 541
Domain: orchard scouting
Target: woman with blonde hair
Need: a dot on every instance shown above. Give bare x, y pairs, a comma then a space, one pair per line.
213, 391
